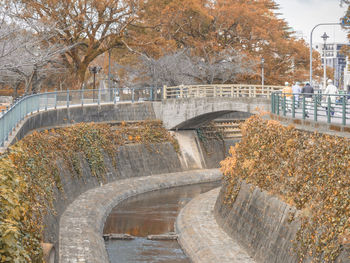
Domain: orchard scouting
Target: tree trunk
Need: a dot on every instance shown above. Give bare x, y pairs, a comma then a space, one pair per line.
15, 88
80, 76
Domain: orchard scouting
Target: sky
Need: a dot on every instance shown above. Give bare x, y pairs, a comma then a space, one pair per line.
303, 15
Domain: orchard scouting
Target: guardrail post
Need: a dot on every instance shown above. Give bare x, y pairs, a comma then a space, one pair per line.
284, 106
315, 107
38, 97
132, 95
55, 98
293, 106
99, 97
46, 101
151, 93
164, 92
67, 98
3, 127
20, 109
82, 97
6, 124
344, 110
115, 95
304, 108
328, 109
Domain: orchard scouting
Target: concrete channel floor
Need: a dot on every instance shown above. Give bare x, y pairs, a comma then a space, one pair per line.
81, 225
201, 237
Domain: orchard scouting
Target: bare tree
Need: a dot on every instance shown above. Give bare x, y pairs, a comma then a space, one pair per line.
182, 67
26, 57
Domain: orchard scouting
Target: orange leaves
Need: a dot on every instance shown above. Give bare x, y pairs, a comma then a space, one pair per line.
307, 170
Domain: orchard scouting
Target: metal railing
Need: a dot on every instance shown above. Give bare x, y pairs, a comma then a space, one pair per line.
330, 108
22, 107
230, 90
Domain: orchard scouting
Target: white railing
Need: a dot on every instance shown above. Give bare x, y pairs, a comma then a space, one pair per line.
213, 91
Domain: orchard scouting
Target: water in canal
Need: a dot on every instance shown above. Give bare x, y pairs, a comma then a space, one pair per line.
150, 214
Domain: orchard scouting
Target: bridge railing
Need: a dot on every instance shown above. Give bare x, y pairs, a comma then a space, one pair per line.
330, 108
213, 91
22, 107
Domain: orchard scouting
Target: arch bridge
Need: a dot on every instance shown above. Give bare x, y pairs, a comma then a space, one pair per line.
180, 107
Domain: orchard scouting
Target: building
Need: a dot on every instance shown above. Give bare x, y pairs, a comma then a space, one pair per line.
334, 59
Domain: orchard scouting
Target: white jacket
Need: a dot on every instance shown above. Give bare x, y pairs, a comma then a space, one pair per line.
331, 89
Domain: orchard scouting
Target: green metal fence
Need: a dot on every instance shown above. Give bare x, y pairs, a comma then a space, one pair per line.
22, 107
330, 108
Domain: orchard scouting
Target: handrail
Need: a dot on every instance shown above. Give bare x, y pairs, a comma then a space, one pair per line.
226, 90
22, 107
330, 108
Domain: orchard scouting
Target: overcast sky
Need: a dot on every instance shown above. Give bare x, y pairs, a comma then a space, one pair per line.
303, 15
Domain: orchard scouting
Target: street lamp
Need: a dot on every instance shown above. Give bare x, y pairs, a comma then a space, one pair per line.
324, 37
94, 70
262, 72
322, 24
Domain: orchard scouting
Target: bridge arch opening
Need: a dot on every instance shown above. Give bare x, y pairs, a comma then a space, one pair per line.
203, 119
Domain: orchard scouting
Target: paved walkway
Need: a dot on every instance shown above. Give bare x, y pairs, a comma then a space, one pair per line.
200, 236
81, 225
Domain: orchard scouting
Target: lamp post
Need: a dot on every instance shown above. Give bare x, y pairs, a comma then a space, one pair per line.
262, 72
322, 24
324, 37
94, 70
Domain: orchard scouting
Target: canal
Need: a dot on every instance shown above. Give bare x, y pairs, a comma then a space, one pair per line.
151, 213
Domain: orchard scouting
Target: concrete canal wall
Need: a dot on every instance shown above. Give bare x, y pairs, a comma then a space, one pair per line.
132, 161
262, 224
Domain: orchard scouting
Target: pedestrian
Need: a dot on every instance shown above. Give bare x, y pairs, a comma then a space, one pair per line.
296, 89
307, 92
331, 92
288, 93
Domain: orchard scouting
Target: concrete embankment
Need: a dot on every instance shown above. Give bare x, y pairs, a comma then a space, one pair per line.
81, 225
132, 161
263, 225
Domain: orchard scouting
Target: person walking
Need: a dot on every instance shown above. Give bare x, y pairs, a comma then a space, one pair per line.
330, 90
288, 93
307, 92
296, 89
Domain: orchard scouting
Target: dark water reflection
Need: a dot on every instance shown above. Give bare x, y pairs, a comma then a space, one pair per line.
150, 213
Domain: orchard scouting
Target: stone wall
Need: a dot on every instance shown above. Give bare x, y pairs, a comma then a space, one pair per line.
132, 161
262, 225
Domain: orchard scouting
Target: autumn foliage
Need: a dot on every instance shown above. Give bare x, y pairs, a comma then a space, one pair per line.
251, 28
29, 176
307, 170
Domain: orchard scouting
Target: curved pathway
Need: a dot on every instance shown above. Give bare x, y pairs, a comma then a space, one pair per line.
81, 225
200, 236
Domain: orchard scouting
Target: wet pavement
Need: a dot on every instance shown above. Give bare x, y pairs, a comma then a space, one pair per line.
150, 214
